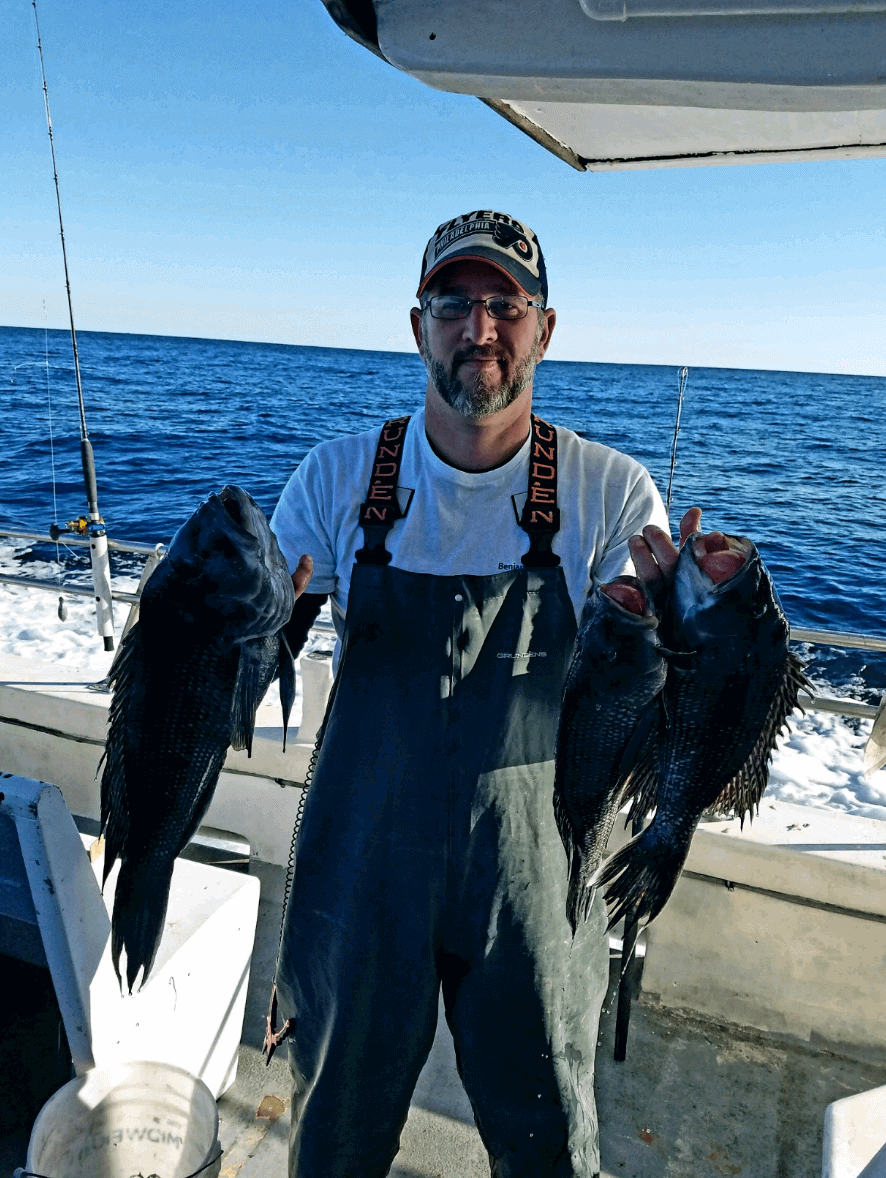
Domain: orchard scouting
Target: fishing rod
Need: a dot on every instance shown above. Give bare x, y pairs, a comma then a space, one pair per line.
684, 373
92, 525
629, 981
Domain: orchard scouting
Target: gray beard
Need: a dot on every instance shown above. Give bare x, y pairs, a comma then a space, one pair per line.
478, 399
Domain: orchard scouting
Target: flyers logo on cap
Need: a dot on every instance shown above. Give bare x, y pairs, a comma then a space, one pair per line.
491, 237
512, 238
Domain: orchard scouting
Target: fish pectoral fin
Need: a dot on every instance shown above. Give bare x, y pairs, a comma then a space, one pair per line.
638, 769
641, 741
642, 788
286, 673
255, 673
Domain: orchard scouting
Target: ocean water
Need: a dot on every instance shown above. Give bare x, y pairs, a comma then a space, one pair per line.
793, 460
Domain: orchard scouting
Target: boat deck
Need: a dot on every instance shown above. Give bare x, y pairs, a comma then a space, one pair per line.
692, 1099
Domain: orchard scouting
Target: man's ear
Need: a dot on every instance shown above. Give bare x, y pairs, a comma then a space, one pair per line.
415, 320
550, 323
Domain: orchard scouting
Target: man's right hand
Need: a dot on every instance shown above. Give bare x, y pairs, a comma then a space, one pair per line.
303, 572
307, 606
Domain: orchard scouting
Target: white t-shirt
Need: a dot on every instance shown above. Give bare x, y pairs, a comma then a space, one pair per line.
463, 523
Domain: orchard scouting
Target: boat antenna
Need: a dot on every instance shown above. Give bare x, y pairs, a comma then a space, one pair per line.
684, 373
92, 526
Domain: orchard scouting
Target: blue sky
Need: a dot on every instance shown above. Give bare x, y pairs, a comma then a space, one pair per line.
246, 171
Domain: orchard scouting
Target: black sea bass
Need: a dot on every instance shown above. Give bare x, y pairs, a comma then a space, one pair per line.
187, 682
731, 685
608, 726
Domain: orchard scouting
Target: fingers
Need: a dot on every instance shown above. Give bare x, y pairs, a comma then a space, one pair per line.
303, 573
651, 557
691, 522
654, 553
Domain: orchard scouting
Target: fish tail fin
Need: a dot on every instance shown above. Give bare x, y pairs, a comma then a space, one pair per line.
640, 877
140, 902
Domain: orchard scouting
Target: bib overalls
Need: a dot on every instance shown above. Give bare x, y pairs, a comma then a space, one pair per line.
428, 856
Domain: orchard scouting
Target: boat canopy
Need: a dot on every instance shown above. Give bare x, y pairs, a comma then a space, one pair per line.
617, 84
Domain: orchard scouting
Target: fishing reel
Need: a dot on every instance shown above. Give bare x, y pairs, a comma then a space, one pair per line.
92, 530
82, 526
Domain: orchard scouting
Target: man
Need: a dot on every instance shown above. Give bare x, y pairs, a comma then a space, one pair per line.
458, 548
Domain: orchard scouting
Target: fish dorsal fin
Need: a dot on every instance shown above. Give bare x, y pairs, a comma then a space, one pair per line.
286, 671
126, 677
742, 793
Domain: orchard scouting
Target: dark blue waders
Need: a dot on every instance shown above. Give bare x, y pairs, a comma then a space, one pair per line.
428, 855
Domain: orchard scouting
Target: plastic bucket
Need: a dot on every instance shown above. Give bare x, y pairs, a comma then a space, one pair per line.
133, 1120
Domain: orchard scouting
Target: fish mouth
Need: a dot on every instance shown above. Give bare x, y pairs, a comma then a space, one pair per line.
718, 557
630, 595
704, 581
239, 505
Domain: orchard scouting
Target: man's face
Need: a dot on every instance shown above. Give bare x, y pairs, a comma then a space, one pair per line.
479, 365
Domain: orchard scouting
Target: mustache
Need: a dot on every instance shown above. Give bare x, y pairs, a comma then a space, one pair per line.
476, 353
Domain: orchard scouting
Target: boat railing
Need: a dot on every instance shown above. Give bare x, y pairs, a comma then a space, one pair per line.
154, 553
844, 638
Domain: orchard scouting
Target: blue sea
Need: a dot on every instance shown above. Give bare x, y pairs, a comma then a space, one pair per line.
793, 460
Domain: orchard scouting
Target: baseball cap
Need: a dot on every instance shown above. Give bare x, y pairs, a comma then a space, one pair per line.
496, 238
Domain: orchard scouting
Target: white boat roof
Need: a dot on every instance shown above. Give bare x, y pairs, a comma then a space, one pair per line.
618, 84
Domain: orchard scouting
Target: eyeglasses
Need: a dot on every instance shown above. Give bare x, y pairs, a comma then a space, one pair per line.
448, 306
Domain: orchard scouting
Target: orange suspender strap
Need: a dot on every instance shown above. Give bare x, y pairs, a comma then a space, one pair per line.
540, 518
380, 511
541, 515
